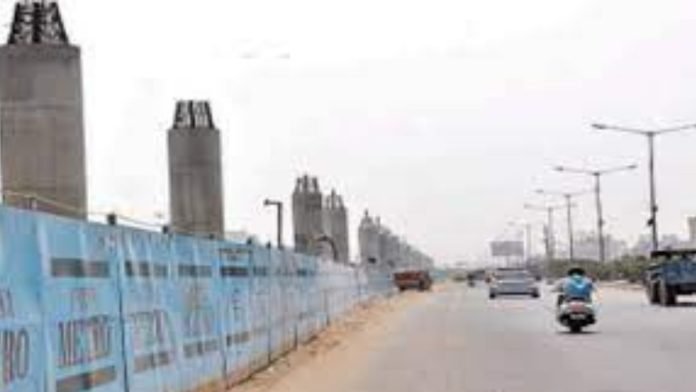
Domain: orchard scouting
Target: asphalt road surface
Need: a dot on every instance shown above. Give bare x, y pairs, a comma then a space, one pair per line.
458, 340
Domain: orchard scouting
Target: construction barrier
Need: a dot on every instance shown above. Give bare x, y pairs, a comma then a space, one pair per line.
89, 307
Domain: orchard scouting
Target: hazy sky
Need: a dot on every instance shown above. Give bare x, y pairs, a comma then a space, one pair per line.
441, 116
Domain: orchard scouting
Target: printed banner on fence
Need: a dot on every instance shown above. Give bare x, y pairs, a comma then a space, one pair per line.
195, 293
81, 306
22, 363
235, 308
151, 343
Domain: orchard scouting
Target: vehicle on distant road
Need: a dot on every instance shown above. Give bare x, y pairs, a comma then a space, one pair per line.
512, 281
413, 280
673, 273
459, 276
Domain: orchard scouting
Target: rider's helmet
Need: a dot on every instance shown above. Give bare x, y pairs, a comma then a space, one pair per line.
576, 270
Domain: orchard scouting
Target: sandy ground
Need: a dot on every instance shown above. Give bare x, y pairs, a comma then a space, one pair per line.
321, 362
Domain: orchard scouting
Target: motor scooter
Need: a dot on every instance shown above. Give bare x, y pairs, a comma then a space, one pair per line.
576, 314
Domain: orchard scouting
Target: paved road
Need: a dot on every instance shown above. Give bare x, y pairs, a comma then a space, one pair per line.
458, 340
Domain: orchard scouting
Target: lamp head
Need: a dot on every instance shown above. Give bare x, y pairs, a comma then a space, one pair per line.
599, 126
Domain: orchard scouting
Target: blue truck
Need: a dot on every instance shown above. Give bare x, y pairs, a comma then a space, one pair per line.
672, 273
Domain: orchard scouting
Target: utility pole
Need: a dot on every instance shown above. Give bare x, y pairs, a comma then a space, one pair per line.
568, 196
528, 244
597, 175
279, 217
650, 136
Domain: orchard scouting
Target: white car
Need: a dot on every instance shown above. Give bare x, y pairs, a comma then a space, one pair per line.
513, 282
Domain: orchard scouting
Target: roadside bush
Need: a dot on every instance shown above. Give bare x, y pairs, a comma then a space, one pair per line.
626, 268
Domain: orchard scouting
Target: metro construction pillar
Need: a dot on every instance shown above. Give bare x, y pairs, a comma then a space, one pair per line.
308, 216
195, 172
42, 143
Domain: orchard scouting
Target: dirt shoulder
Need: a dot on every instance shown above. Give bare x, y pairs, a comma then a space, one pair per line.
333, 351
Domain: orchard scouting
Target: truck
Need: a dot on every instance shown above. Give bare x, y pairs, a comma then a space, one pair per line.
671, 273
413, 279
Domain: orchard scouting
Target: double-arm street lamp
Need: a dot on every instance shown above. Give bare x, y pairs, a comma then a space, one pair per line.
650, 135
597, 174
548, 209
568, 196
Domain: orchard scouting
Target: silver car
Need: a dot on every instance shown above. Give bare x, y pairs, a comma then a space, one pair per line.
512, 282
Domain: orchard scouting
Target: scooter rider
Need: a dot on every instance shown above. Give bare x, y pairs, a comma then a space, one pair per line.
576, 285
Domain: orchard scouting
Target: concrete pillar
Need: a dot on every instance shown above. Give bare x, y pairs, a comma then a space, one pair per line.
195, 171
336, 225
308, 216
384, 245
692, 230
42, 145
392, 251
368, 239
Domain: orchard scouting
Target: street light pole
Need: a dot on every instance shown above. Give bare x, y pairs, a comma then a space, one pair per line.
600, 216
552, 233
569, 216
279, 217
528, 242
550, 241
597, 175
650, 135
568, 196
653, 193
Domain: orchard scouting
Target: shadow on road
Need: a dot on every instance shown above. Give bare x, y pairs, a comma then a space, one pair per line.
684, 305
583, 333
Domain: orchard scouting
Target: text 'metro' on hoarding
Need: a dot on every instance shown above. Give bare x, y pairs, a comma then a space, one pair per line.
507, 249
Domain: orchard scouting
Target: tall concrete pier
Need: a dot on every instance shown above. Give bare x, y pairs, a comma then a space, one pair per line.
308, 217
42, 145
195, 171
384, 235
368, 239
336, 225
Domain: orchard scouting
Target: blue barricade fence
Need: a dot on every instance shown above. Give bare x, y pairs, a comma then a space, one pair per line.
89, 307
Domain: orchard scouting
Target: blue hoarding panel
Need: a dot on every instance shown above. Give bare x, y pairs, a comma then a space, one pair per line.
196, 313
260, 313
81, 304
235, 308
22, 364
276, 304
87, 307
151, 344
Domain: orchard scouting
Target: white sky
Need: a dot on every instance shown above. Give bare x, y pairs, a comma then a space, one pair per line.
441, 116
